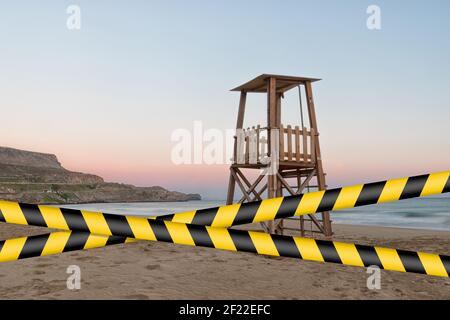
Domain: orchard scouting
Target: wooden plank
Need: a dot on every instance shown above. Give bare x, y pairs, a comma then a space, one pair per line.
297, 144
278, 111
272, 104
289, 142
258, 129
305, 144
281, 143
247, 146
313, 144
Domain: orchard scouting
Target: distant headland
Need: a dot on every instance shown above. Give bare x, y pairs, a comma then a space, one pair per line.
35, 177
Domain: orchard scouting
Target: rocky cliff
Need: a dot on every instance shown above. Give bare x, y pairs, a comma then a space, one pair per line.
35, 177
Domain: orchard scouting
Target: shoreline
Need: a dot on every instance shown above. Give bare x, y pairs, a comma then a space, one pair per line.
120, 202
156, 270
336, 213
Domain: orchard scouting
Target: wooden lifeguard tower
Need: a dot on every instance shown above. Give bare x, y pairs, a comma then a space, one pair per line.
299, 164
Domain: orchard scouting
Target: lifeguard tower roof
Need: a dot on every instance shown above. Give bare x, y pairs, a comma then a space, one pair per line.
284, 83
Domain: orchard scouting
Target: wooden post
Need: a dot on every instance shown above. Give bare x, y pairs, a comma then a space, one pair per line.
241, 112
239, 125
320, 174
279, 190
272, 124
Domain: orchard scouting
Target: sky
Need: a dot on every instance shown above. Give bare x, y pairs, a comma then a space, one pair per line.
106, 98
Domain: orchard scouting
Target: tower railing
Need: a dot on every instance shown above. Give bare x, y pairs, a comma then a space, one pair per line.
296, 145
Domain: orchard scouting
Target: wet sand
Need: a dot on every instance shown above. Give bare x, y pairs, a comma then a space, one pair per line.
150, 270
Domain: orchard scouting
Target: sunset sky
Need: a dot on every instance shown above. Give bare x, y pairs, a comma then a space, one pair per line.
106, 98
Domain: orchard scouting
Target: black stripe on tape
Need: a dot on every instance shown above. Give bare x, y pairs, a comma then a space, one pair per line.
118, 225
328, 251
33, 246
115, 240
246, 212
76, 241
2, 218
447, 186
286, 246
160, 230
370, 193
74, 219
414, 186
242, 240
368, 256
411, 261
32, 214
167, 217
328, 200
2, 242
446, 262
204, 217
200, 236
288, 206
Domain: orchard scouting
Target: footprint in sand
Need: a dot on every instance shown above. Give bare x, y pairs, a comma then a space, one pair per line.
153, 267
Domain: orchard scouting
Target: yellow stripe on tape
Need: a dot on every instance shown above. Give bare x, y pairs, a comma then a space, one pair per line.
432, 264
390, 259
95, 241
221, 238
184, 217
268, 209
225, 215
309, 203
180, 233
435, 183
53, 217
263, 243
348, 254
141, 228
347, 197
96, 222
12, 213
392, 190
308, 249
11, 249
56, 243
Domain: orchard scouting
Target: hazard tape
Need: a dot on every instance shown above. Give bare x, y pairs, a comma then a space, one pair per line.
320, 201
237, 240
230, 215
54, 243
186, 228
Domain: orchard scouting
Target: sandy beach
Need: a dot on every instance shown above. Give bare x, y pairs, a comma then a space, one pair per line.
146, 270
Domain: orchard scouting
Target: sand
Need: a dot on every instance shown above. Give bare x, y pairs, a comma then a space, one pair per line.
150, 270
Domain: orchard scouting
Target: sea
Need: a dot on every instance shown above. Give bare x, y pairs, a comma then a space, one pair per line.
432, 213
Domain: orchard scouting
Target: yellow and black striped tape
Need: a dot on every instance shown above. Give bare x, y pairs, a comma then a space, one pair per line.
54, 243
320, 201
226, 216
237, 240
